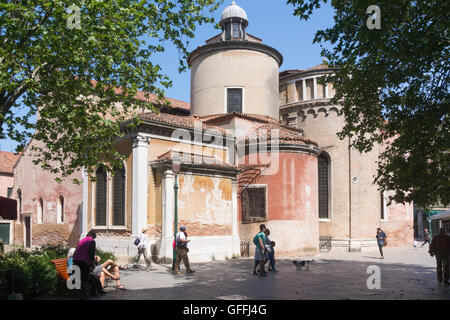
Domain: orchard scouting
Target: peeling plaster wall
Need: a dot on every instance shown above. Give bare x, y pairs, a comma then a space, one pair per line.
204, 205
292, 206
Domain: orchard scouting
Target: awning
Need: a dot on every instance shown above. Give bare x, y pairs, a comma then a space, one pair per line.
8, 208
444, 215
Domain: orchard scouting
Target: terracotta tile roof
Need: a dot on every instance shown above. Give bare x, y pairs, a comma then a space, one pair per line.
287, 73
286, 135
7, 161
217, 118
150, 97
187, 122
193, 159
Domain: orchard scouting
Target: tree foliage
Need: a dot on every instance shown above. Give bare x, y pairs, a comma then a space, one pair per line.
67, 66
393, 85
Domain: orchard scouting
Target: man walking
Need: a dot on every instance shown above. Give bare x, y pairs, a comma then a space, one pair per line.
260, 250
426, 236
142, 248
440, 247
181, 243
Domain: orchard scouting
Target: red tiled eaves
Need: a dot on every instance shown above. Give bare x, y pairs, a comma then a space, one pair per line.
7, 161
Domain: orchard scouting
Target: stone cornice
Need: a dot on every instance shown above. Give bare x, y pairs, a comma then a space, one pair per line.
236, 45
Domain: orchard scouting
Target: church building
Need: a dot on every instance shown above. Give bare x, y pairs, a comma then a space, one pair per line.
256, 146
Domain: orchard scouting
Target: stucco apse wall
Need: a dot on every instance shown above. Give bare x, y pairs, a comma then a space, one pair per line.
292, 210
35, 183
204, 205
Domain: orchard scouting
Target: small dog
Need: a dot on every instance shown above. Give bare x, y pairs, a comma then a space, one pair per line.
299, 264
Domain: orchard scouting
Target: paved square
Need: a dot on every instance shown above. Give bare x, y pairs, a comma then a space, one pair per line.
405, 274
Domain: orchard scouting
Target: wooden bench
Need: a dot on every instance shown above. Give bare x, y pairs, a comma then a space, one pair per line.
61, 269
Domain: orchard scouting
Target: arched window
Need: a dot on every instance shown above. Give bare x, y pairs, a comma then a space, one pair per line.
118, 197
100, 197
60, 209
40, 211
324, 186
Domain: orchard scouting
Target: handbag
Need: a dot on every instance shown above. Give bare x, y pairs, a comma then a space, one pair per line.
385, 242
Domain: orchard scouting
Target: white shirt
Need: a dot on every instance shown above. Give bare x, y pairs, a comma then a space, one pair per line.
142, 241
180, 236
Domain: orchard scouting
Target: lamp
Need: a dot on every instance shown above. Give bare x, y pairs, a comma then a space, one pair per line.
176, 165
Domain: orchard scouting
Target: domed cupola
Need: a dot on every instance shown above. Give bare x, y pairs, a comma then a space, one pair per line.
233, 22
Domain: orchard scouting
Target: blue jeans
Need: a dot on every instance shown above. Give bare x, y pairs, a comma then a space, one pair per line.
272, 260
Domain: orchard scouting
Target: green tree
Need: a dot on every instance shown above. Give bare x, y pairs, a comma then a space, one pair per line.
393, 85
65, 66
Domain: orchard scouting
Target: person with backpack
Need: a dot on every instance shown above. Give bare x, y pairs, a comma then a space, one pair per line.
141, 243
181, 243
260, 251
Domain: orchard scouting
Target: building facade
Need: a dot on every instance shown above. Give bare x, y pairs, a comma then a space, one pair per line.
7, 161
49, 212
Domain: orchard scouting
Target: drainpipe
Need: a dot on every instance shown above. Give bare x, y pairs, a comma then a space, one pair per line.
349, 196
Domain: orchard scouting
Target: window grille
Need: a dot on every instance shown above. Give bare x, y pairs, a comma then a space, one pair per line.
323, 166
254, 204
100, 197
119, 197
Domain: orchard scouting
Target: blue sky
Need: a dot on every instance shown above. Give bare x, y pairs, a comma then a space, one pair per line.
270, 20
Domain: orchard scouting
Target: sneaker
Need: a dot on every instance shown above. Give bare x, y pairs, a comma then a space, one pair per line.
190, 271
176, 273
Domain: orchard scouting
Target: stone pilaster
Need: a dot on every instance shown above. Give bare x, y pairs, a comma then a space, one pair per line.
140, 183
168, 198
236, 242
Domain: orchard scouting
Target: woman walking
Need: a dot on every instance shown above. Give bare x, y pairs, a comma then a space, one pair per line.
381, 240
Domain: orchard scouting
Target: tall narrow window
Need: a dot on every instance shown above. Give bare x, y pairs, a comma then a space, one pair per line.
19, 198
323, 168
118, 189
100, 197
234, 100
60, 209
383, 207
40, 212
19, 203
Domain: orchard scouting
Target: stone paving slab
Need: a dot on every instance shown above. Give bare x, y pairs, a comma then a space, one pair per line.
405, 274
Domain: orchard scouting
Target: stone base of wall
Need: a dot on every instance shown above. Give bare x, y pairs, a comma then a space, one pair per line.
354, 245
201, 249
